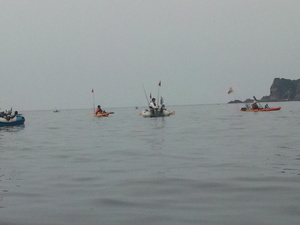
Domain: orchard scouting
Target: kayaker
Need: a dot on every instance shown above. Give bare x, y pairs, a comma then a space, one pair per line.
98, 110
152, 104
254, 105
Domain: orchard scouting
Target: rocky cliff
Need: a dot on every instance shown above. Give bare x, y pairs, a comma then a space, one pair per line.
283, 90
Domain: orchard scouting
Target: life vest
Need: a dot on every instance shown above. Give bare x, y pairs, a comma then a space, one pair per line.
98, 111
254, 106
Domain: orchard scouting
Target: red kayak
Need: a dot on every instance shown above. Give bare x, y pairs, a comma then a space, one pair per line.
261, 110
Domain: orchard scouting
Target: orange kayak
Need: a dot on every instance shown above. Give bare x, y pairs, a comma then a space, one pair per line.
106, 114
260, 110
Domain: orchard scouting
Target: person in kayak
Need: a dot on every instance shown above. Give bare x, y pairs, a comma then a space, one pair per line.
99, 110
254, 105
152, 104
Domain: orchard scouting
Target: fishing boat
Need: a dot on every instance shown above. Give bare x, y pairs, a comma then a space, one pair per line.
7, 119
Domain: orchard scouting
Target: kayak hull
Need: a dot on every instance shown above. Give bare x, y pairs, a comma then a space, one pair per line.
101, 114
155, 113
17, 120
261, 110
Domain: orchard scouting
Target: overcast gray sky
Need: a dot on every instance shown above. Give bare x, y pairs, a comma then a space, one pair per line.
54, 52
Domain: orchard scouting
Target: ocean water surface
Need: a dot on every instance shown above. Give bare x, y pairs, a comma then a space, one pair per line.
207, 164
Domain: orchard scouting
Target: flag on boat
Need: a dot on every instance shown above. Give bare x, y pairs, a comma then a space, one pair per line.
150, 96
159, 84
230, 91
92, 90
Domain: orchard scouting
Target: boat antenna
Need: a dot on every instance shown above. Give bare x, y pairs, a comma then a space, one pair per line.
93, 100
159, 85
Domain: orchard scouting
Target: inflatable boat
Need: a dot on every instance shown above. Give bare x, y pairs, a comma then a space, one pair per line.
155, 113
12, 121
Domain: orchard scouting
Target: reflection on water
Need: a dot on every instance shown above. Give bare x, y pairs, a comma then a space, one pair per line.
156, 133
208, 164
15, 128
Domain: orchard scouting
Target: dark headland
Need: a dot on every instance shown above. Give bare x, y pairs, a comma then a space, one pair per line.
281, 90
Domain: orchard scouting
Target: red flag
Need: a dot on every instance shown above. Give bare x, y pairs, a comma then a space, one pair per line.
230, 91
159, 84
92, 90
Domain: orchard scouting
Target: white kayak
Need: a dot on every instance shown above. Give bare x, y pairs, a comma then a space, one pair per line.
155, 113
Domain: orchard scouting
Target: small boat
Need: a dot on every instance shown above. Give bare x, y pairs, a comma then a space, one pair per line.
260, 109
104, 114
55, 110
6, 119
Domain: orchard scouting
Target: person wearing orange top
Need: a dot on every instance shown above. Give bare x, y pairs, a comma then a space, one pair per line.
98, 110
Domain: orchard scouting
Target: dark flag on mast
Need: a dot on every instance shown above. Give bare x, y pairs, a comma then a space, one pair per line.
159, 84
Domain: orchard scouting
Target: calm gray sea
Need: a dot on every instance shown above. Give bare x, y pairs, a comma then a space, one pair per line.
208, 164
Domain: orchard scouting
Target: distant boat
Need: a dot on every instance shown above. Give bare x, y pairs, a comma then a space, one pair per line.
56, 110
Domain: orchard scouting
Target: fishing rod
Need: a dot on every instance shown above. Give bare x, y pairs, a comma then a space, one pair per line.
146, 94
